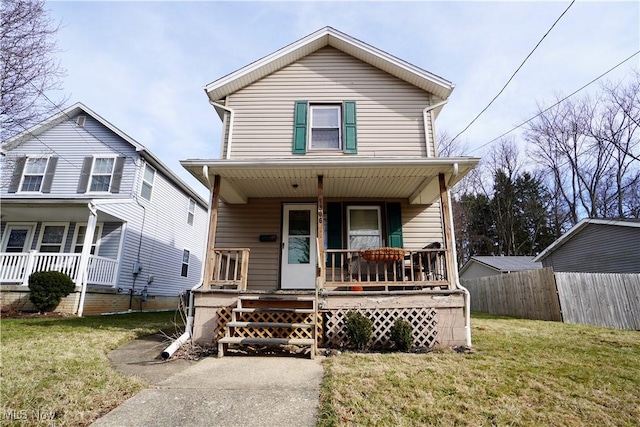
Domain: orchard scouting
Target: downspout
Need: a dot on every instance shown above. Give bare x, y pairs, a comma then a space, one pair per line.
465, 291
231, 118
188, 331
426, 121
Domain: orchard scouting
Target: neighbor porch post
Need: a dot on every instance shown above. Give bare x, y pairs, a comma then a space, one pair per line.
83, 268
448, 226
211, 240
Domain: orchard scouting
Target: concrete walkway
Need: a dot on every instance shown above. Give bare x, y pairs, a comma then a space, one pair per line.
232, 391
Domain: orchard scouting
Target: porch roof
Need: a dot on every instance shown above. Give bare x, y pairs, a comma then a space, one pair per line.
50, 210
415, 179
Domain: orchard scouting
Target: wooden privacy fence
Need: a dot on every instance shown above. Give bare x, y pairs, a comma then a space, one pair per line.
610, 300
527, 294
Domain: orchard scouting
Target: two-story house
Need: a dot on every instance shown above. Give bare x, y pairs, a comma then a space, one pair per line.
81, 197
329, 196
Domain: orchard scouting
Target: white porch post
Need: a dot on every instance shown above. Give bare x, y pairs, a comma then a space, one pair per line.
86, 252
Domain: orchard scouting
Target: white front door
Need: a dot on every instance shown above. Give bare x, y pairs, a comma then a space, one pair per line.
298, 267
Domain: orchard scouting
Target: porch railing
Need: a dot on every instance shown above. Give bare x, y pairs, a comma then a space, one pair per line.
418, 268
230, 268
17, 267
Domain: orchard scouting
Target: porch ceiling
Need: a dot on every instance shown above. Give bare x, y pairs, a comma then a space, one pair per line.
415, 179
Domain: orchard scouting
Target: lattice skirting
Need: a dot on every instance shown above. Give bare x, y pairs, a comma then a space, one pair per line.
224, 316
423, 321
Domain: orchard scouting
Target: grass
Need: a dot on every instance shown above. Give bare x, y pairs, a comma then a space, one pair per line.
521, 373
58, 367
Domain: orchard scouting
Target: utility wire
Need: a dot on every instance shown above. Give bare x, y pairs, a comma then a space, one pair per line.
514, 74
559, 102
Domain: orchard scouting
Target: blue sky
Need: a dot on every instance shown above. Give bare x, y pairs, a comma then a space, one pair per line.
143, 65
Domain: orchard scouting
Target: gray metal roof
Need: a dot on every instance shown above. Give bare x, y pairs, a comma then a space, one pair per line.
507, 263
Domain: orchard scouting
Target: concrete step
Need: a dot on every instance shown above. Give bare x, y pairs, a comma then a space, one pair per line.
269, 325
266, 341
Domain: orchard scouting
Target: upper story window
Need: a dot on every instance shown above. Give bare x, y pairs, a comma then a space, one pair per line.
325, 129
33, 174
324, 126
101, 174
148, 178
191, 214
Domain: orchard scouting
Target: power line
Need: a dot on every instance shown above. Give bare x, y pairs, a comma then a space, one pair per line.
557, 103
514, 73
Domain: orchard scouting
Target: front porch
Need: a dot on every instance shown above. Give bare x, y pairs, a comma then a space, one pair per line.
375, 237
17, 267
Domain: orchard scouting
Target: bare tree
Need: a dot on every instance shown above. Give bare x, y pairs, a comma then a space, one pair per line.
29, 68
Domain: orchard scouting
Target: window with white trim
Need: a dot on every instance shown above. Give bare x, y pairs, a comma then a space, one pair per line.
325, 127
191, 214
52, 237
148, 178
364, 227
79, 235
101, 174
33, 174
185, 263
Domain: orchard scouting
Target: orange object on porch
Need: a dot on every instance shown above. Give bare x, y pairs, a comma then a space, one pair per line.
356, 288
383, 254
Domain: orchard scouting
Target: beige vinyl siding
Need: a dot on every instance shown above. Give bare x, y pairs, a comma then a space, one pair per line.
240, 226
389, 110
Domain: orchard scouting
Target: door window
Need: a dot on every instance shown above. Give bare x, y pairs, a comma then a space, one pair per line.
299, 237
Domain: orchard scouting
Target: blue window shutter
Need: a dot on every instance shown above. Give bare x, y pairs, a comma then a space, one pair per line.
300, 127
48, 176
394, 225
84, 174
117, 175
17, 174
350, 136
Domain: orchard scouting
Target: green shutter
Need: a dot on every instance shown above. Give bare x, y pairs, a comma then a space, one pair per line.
394, 225
334, 229
350, 143
300, 127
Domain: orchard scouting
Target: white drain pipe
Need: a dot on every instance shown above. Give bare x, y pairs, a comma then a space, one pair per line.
467, 295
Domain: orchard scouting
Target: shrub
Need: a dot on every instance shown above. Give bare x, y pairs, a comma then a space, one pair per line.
359, 330
401, 334
48, 288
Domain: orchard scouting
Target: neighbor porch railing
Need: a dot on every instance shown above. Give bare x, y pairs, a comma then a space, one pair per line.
17, 267
416, 268
230, 268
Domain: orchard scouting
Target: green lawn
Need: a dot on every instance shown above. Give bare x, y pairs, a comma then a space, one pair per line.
521, 373
58, 366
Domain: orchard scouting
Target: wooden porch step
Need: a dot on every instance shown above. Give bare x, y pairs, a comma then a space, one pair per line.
266, 341
269, 325
275, 298
274, 310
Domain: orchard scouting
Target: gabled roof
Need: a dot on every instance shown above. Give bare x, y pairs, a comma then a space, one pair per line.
504, 264
328, 36
581, 225
79, 108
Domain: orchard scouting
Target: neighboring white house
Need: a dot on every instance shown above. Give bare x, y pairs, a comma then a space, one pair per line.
481, 266
80, 196
596, 246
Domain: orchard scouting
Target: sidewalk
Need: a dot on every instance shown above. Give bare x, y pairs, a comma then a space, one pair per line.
232, 391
